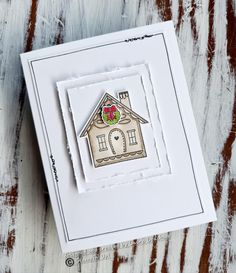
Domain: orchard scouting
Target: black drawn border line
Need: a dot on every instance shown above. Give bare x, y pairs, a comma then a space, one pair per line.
49, 150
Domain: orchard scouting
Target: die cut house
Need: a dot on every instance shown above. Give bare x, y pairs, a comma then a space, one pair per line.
114, 131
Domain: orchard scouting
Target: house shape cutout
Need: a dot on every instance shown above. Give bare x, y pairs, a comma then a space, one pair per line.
122, 141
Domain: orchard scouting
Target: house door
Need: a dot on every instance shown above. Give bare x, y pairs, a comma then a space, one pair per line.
117, 141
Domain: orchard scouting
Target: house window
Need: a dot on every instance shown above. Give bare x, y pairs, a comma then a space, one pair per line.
102, 143
132, 137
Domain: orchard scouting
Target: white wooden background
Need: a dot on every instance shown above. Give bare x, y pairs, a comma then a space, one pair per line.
206, 33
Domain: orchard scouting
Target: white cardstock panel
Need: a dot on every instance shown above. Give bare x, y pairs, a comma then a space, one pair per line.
92, 95
145, 86
168, 202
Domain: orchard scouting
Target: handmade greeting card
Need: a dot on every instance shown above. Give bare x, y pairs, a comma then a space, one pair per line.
117, 137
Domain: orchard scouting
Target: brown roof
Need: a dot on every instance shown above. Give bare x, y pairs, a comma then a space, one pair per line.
104, 98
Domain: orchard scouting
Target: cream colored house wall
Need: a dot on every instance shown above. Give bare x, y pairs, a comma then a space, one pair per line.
94, 132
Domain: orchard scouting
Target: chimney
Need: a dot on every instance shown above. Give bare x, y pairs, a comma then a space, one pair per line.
124, 98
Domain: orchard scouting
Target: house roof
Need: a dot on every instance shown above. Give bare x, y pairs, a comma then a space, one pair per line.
104, 98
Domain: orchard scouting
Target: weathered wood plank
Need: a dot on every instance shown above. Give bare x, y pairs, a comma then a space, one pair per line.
13, 38
206, 33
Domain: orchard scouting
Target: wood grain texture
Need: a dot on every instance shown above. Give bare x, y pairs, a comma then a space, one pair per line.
206, 32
